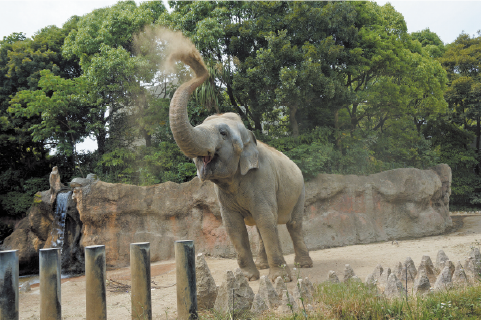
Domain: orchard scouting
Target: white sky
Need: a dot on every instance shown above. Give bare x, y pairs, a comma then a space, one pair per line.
446, 18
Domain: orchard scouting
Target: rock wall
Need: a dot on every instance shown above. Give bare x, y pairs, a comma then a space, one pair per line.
339, 210
396, 204
119, 214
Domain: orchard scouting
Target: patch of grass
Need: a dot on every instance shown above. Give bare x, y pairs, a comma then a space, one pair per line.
360, 301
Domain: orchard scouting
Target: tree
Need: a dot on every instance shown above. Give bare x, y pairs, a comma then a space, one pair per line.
63, 108
242, 39
104, 43
455, 149
430, 41
462, 61
24, 161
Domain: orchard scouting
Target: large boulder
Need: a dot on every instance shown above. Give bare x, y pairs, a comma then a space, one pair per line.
395, 204
340, 210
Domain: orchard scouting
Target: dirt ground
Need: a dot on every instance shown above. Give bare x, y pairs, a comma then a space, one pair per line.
362, 258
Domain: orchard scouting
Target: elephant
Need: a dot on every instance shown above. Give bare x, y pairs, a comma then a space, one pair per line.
255, 184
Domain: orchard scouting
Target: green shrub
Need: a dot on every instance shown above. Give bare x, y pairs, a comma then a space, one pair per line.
146, 166
18, 201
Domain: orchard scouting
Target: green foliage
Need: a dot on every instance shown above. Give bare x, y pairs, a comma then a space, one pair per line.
456, 151
316, 153
18, 200
22, 157
146, 166
430, 41
5, 230
339, 87
60, 103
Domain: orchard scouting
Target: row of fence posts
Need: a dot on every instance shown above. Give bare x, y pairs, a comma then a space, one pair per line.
95, 280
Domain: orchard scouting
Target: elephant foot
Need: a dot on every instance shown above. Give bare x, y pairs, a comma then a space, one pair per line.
251, 274
283, 272
262, 264
304, 262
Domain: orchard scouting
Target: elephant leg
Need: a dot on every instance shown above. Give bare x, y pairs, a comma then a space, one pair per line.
237, 231
294, 226
261, 261
277, 265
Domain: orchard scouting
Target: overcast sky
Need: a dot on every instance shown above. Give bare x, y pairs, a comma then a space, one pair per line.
447, 18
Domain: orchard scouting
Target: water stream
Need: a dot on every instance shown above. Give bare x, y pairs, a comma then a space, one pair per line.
58, 225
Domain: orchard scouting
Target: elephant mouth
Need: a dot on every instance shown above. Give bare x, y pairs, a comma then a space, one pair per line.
206, 160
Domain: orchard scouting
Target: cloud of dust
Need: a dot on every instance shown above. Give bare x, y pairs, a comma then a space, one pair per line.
169, 47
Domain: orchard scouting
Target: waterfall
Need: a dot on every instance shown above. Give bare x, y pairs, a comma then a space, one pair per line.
58, 225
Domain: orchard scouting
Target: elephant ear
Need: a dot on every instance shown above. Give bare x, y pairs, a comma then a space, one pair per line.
249, 158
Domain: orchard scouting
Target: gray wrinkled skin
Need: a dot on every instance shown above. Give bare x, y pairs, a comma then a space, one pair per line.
255, 184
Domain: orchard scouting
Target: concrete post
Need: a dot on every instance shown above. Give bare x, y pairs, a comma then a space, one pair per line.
141, 297
9, 285
95, 277
50, 302
186, 283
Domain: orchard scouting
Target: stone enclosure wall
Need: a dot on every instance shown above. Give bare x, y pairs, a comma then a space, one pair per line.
339, 210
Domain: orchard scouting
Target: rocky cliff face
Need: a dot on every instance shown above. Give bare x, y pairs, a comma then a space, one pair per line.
395, 204
339, 210
35, 231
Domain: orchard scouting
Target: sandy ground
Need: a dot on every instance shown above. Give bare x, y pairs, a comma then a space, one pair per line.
362, 258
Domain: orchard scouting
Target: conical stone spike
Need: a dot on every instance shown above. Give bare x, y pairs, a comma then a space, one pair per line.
441, 258
421, 283
280, 286
459, 276
427, 265
332, 277
444, 280
268, 293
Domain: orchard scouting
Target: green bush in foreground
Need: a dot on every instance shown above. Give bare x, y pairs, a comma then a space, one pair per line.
359, 301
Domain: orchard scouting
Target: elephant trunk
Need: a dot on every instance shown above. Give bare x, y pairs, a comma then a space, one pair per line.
193, 142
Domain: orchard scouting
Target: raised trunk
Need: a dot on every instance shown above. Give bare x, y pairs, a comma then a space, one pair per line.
193, 142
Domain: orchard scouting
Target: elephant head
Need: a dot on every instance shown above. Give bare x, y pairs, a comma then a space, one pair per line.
220, 146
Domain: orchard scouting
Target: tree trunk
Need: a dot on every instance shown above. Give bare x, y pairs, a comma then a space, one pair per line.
478, 134
354, 117
337, 132
101, 137
239, 110
293, 120
418, 124
256, 116
147, 137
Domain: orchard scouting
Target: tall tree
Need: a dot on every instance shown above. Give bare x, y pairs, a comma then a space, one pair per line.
63, 108
21, 61
104, 43
23, 159
462, 61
